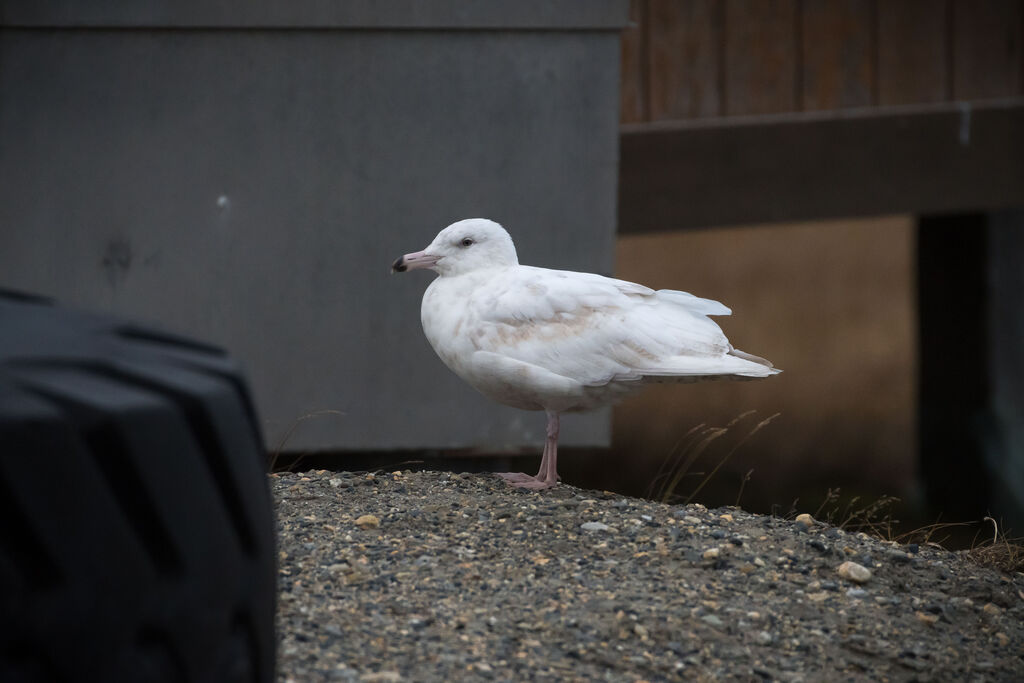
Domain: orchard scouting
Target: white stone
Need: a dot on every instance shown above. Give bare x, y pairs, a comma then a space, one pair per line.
851, 571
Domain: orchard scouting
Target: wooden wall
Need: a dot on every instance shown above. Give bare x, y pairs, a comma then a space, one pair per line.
685, 59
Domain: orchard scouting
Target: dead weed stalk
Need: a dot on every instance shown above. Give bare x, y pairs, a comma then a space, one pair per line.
288, 435
681, 459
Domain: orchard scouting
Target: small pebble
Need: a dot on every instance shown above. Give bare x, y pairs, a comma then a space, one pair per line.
805, 519
713, 620
851, 571
897, 557
381, 677
368, 522
712, 554
594, 526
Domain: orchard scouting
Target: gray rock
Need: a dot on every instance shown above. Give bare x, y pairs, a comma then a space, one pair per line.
712, 620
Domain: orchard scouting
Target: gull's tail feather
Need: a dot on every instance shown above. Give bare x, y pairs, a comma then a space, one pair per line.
732, 365
754, 359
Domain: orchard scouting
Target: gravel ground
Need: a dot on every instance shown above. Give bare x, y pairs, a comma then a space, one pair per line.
431, 576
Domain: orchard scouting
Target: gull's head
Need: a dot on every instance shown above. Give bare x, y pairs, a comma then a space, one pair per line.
472, 244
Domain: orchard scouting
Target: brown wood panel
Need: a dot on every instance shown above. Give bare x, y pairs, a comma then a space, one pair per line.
760, 56
685, 58
633, 91
912, 51
986, 48
932, 158
837, 63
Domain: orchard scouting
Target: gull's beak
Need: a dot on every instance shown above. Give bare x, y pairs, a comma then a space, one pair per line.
414, 261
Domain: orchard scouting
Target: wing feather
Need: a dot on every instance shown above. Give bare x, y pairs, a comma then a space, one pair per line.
596, 329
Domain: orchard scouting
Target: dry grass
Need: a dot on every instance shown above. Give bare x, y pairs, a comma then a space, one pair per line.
679, 463
872, 517
272, 465
1002, 552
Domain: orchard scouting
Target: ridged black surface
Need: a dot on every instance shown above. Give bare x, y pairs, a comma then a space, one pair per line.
136, 536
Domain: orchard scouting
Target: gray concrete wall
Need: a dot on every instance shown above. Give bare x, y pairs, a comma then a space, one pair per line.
191, 165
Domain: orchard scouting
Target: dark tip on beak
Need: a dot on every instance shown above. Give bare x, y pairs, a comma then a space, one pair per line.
399, 265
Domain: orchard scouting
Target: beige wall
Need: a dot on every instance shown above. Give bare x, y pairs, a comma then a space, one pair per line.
832, 304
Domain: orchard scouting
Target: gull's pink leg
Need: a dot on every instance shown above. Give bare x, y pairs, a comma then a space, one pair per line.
548, 474
544, 458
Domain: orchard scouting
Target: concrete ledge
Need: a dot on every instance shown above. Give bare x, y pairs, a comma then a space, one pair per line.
609, 15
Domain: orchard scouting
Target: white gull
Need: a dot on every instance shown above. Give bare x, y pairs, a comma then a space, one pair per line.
557, 340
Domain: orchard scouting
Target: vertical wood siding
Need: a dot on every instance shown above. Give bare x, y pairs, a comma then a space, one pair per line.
687, 59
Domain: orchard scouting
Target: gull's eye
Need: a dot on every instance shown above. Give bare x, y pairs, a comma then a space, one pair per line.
466, 241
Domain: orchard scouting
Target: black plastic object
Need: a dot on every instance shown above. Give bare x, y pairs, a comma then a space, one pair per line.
136, 533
